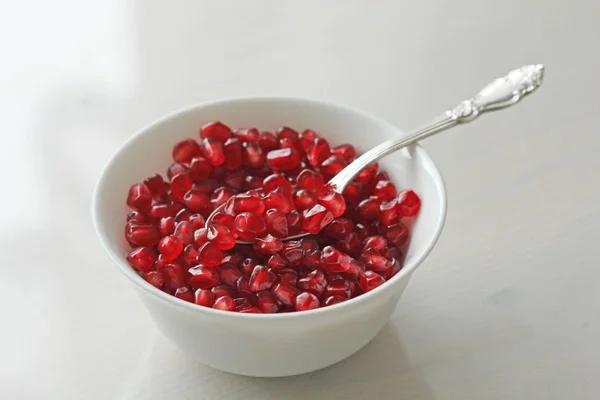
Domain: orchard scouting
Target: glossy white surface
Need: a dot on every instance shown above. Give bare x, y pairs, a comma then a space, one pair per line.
506, 307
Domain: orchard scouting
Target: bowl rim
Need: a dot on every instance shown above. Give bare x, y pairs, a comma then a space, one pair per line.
130, 273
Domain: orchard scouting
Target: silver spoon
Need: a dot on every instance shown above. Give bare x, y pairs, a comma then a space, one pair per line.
497, 95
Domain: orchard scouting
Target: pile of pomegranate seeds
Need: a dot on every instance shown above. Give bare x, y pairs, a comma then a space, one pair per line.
272, 186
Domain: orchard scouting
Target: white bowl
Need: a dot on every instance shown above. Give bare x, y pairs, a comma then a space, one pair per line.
269, 345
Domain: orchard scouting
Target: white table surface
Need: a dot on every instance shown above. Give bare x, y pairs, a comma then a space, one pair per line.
506, 307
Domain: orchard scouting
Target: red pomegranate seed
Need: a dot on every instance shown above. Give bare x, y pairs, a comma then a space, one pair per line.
268, 142
369, 280
375, 261
377, 243
385, 190
203, 277
236, 179
283, 159
222, 218
307, 138
185, 150
367, 174
197, 221
245, 203
306, 301
286, 132
170, 247
288, 276
248, 265
397, 266
184, 231
221, 236
252, 183
338, 287
261, 279
216, 131
174, 276
352, 193
311, 181
350, 244
213, 151
243, 289
275, 181
180, 185
304, 200
316, 219
200, 169
210, 255
356, 268
389, 212
276, 262
397, 234
190, 254
183, 215
333, 260
176, 169
292, 252
138, 217
222, 290
204, 297
314, 282
361, 231
318, 152
252, 155
276, 223
160, 211
142, 258
220, 196
229, 274
331, 300
286, 294
368, 209
409, 203
267, 245
346, 151
250, 310
156, 184
267, 302
139, 197
196, 201
232, 149
224, 303
339, 228
248, 226
250, 135
184, 293
332, 166
294, 222
141, 234
279, 199
334, 202
312, 259
200, 237
155, 278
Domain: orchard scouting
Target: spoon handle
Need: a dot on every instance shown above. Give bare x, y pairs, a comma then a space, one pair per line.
499, 94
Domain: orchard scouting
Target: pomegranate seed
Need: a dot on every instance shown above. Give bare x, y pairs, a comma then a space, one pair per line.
389, 212
332, 166
283, 159
190, 254
183, 215
369, 280
229, 274
352, 193
276, 262
250, 310
346, 151
174, 276
213, 151
200, 237
170, 247
200, 169
184, 231
248, 226
196, 201
276, 223
377, 243
248, 265
338, 287
306, 301
261, 279
314, 282
368, 209
331, 300
222, 218
204, 297
334, 202
350, 244
180, 185
236, 179
176, 169
307, 138
304, 200
142, 258
385, 190
279, 199
220, 196
250, 135
275, 181
210, 255
333, 260
268, 142
216, 131
397, 234
286, 132
355, 269
361, 231
245, 203
141, 234
367, 174
316, 219
286, 294
318, 152
155, 278
232, 149
222, 290
267, 302
339, 228
139, 197
252, 155
156, 184
243, 289
138, 217
311, 181
160, 211
409, 203
288, 276
375, 261
224, 303
397, 266
185, 150
267, 245
203, 277
312, 259
184, 293
221, 236
197, 221
252, 183
294, 222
